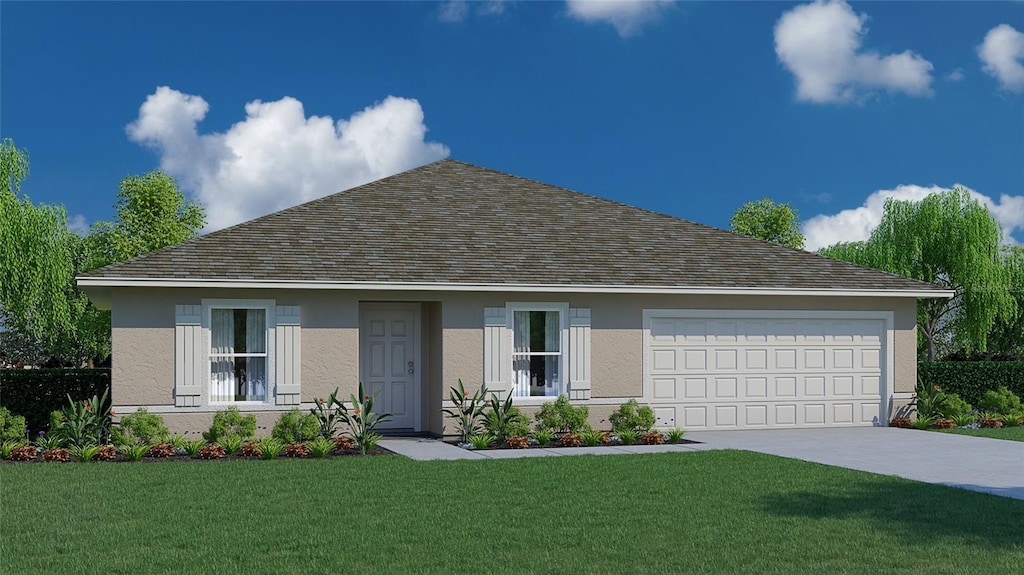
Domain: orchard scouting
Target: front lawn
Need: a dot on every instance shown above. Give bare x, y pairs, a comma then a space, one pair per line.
710, 512
1011, 433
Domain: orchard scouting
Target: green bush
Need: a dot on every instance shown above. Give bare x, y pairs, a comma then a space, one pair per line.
971, 379
955, 407
505, 420
1002, 400
295, 426
561, 417
12, 427
231, 422
35, 393
631, 415
140, 428
932, 402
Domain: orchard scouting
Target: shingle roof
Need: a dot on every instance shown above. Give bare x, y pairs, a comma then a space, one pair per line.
452, 222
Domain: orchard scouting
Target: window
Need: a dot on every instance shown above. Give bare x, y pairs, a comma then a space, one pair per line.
538, 350
238, 354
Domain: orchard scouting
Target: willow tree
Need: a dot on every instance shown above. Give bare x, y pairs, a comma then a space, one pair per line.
951, 240
36, 264
1008, 334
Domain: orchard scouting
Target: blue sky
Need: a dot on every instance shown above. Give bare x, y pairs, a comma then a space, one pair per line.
685, 108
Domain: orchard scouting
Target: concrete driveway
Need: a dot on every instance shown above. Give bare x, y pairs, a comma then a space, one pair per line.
979, 464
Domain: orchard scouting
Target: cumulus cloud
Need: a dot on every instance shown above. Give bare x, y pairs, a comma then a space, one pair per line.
78, 224
955, 76
1002, 56
856, 224
821, 45
277, 157
627, 16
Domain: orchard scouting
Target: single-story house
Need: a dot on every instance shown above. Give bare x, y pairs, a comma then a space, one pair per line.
452, 271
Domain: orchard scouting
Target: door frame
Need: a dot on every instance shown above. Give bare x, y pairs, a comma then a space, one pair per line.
417, 332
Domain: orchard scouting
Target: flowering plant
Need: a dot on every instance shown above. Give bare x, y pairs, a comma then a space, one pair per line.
83, 423
361, 419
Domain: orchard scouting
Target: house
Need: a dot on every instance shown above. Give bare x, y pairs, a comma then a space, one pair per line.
452, 271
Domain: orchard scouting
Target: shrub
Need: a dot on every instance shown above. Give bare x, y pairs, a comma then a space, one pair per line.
326, 414
250, 449
628, 436
231, 422
1011, 419
517, 442
106, 453
989, 422
231, 444
592, 437
51, 441
964, 419
481, 441
504, 420
942, 423
211, 451
294, 426
85, 422
35, 393
192, 447
320, 447
296, 450
631, 415
902, 422
59, 455
161, 450
12, 427
134, 452
971, 379
8, 446
571, 440
24, 453
270, 447
675, 435
467, 410
954, 406
140, 428
653, 438
362, 421
543, 436
923, 422
561, 417
1001, 400
344, 443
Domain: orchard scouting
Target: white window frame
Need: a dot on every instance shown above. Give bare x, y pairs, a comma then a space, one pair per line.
563, 364
269, 307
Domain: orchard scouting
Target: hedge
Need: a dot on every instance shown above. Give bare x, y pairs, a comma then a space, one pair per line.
971, 379
34, 393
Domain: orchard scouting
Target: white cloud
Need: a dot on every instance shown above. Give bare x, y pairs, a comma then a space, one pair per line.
955, 76
277, 157
458, 10
856, 224
1002, 53
820, 43
78, 224
627, 16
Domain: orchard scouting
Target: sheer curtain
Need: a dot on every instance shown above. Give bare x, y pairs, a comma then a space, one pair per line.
222, 369
552, 342
256, 342
521, 363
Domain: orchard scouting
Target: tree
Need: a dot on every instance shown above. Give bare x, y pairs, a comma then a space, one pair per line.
947, 239
1007, 336
766, 220
36, 266
151, 214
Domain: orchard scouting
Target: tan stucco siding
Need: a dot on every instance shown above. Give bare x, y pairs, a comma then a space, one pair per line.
143, 337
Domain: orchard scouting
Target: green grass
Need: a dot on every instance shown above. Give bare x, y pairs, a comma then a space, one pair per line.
1011, 433
711, 512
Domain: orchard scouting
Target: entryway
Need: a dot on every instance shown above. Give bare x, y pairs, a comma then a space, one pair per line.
389, 360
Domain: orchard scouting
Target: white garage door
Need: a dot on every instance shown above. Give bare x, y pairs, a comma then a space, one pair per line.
764, 370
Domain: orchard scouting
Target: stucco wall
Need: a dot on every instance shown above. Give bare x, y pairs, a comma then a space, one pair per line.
143, 338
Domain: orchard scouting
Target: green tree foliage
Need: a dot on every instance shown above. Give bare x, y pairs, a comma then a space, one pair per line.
1008, 333
766, 220
947, 239
36, 264
151, 214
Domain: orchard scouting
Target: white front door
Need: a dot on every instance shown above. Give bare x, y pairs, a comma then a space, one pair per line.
389, 360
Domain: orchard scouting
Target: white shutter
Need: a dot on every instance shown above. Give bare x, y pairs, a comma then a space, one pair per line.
189, 355
288, 355
579, 353
497, 363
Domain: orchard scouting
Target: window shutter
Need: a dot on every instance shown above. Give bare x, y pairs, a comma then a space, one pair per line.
579, 353
189, 355
497, 363
287, 355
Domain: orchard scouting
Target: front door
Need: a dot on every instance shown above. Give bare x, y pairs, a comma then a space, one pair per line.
389, 360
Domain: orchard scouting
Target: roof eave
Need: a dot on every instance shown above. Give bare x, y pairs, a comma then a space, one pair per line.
88, 283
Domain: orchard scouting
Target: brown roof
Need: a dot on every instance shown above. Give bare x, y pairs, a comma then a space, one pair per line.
452, 222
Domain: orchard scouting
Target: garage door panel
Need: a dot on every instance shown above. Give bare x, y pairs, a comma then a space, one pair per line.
780, 372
